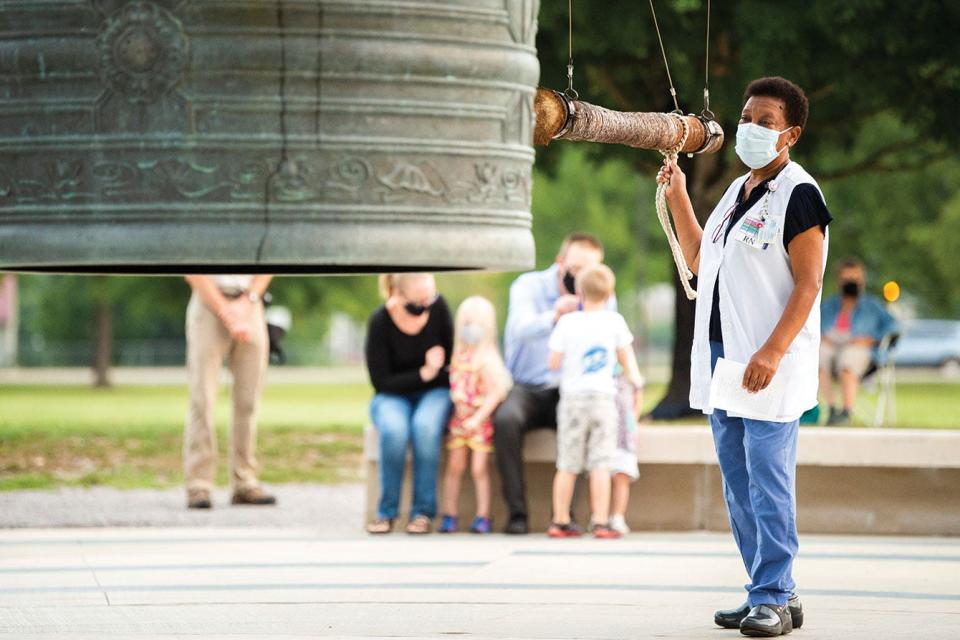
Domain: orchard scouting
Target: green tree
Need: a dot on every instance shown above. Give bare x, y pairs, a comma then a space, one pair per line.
862, 63
98, 311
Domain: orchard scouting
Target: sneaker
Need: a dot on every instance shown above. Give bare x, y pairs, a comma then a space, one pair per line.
448, 524
604, 532
619, 524
568, 530
481, 525
253, 496
198, 499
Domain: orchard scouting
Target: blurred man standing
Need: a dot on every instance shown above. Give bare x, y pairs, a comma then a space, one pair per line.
224, 320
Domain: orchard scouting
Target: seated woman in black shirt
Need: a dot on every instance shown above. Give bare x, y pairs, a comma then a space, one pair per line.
409, 340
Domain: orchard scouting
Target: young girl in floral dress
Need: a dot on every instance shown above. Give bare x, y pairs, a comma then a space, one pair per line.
478, 384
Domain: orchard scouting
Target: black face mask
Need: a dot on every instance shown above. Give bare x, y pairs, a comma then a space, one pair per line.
415, 309
850, 288
569, 283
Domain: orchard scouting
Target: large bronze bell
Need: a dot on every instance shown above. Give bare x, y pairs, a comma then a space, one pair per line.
324, 136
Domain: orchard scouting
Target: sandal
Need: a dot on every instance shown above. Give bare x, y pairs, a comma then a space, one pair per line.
566, 530
604, 532
380, 526
419, 525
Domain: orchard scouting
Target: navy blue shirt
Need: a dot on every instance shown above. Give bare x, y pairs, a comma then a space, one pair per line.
805, 210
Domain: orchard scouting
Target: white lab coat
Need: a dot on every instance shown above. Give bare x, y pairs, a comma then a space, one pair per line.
755, 283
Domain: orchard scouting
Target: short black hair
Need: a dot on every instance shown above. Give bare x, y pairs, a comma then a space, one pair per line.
797, 106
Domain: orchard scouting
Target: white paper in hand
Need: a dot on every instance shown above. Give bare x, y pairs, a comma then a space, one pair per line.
727, 392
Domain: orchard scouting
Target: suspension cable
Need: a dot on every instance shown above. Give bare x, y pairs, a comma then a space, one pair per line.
707, 113
570, 91
673, 91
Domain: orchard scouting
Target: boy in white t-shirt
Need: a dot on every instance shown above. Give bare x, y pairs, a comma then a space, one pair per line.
586, 346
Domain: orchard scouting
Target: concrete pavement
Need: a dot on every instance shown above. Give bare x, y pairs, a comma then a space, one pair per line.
327, 509
301, 582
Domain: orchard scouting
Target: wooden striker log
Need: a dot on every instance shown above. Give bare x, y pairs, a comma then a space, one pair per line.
634, 129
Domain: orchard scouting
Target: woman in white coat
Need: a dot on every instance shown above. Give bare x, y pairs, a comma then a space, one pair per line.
759, 259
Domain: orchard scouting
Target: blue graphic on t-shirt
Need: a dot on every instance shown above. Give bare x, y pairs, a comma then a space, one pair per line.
595, 359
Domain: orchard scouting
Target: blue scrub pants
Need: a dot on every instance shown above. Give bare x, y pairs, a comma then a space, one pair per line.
758, 460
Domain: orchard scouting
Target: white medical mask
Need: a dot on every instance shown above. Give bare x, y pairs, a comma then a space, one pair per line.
756, 145
471, 334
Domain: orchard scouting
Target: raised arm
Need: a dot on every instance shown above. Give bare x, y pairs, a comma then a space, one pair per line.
689, 231
524, 320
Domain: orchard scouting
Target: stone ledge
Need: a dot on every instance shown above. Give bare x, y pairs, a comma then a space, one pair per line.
819, 446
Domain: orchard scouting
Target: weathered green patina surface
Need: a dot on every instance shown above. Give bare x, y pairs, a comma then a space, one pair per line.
322, 136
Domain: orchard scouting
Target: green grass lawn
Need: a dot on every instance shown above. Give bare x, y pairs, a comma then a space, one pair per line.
131, 436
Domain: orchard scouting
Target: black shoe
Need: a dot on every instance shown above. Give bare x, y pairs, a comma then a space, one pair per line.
838, 417
767, 621
731, 618
517, 526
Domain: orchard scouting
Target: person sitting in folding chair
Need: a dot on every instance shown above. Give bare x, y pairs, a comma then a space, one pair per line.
853, 325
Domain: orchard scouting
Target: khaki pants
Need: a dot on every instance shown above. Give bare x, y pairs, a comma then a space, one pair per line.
208, 343
840, 355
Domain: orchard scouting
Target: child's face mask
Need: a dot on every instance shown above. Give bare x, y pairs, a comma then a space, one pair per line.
471, 334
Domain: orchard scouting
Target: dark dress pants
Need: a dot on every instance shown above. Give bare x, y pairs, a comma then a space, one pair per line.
526, 407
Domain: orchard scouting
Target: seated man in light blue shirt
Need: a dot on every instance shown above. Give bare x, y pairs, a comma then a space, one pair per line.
537, 300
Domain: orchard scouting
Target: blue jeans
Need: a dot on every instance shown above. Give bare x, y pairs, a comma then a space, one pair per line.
416, 419
758, 460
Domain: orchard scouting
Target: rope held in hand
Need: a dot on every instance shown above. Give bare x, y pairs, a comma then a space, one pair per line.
662, 214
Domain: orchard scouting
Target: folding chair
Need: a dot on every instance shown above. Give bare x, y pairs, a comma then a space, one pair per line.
878, 385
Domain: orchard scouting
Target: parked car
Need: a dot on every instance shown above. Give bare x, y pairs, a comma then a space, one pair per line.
930, 343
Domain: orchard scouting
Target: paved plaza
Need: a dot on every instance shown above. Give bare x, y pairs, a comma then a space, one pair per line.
288, 582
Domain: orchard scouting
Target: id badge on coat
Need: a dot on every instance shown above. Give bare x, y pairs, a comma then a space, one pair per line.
758, 233
748, 232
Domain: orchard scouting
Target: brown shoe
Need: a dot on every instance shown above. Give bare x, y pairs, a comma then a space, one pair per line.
198, 499
252, 495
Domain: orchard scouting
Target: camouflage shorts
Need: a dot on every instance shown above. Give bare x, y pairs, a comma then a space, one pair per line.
586, 432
